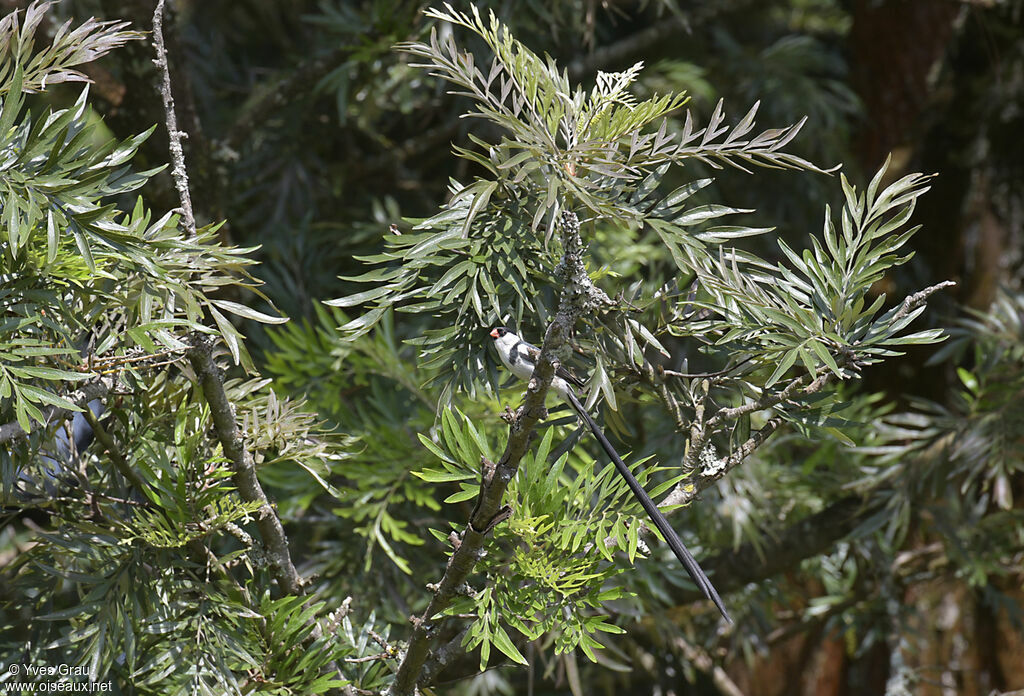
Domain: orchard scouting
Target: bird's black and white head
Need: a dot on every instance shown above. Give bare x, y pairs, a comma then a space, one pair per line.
513, 351
504, 338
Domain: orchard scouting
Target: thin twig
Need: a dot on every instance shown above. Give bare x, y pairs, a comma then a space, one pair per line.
200, 355
687, 491
770, 400
704, 375
113, 451
704, 477
178, 171
912, 302
698, 430
368, 658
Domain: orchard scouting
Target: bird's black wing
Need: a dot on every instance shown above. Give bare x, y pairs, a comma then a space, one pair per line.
534, 354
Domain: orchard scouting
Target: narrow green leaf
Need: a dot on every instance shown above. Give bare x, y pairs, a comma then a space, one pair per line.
706, 212
480, 200
825, 356
438, 476
45, 397
248, 312
48, 373
780, 370
12, 100
52, 237
359, 297
722, 233
466, 494
228, 332
363, 324
677, 197
503, 643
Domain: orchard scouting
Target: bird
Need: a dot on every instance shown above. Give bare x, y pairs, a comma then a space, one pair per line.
520, 358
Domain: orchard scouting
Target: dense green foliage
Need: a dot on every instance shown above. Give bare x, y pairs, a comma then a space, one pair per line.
724, 357
125, 582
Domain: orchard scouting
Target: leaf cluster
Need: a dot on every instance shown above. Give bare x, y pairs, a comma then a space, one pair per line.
374, 498
68, 254
815, 309
543, 577
776, 334
55, 63
484, 259
145, 567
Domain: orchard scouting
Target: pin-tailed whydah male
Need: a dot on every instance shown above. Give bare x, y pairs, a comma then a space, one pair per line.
520, 358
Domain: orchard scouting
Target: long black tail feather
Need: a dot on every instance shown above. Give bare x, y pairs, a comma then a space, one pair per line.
674, 542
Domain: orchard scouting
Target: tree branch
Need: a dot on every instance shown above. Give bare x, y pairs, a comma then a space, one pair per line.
707, 475
577, 296
770, 400
178, 172
249, 488
443, 656
113, 451
912, 302
688, 491
698, 429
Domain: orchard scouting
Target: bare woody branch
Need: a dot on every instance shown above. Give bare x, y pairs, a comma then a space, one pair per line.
200, 355
703, 478
912, 302
769, 400
178, 171
443, 657
702, 427
701, 430
249, 488
113, 451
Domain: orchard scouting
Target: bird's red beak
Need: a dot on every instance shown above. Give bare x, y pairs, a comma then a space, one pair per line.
494, 333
